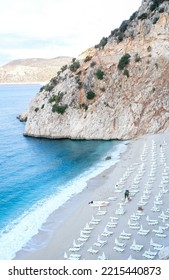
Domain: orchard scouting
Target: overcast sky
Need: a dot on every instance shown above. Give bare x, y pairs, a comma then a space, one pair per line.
51, 28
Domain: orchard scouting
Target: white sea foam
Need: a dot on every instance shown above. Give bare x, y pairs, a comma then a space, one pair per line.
21, 230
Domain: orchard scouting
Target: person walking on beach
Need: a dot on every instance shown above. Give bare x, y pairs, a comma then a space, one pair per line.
126, 195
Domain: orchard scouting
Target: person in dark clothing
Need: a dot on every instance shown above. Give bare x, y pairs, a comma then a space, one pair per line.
126, 194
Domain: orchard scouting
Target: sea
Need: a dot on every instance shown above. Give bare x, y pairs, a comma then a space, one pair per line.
37, 176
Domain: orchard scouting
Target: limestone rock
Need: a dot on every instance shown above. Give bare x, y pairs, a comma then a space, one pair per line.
100, 99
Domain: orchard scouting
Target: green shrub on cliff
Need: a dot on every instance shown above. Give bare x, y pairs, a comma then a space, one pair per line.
99, 74
124, 61
90, 95
60, 109
74, 66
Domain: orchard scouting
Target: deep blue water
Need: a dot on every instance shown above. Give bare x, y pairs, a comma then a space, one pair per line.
38, 175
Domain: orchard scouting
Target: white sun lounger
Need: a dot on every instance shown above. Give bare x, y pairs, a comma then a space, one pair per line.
75, 245
88, 227
156, 246
111, 225
74, 249
101, 212
159, 230
150, 221
161, 235
98, 244
72, 256
143, 231
152, 253
114, 218
163, 215
106, 232
125, 233
134, 217
82, 239
101, 241
118, 249
102, 257
147, 256
92, 251
84, 235
123, 237
120, 244
136, 247
93, 223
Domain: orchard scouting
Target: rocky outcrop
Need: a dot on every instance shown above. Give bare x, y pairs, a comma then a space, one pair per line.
117, 90
31, 70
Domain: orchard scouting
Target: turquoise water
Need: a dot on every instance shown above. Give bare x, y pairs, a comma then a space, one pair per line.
39, 175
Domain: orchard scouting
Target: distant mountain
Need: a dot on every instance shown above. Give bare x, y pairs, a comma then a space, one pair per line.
32, 70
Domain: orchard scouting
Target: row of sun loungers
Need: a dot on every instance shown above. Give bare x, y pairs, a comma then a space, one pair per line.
135, 221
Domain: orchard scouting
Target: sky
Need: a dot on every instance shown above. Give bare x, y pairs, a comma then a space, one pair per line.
52, 28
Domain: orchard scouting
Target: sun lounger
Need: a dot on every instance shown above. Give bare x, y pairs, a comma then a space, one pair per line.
114, 218
120, 211
143, 231
151, 222
74, 249
92, 251
88, 227
147, 256
99, 203
159, 230
106, 232
134, 217
120, 244
101, 212
125, 233
72, 256
118, 249
136, 247
95, 219
98, 244
86, 231
102, 257
123, 237
83, 235
112, 198
161, 235
152, 253
111, 225
93, 223
155, 209
163, 215
101, 241
130, 258
82, 239
75, 245
140, 213
156, 246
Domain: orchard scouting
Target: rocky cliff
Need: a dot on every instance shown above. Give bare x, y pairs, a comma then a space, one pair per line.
31, 70
118, 89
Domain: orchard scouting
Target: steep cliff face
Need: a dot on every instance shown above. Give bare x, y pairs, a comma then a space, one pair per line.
117, 90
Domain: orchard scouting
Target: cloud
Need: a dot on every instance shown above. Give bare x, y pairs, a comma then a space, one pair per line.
52, 28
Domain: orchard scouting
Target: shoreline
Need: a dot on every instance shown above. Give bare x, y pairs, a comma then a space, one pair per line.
60, 216
65, 224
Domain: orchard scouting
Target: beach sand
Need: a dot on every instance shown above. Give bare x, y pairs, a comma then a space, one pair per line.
142, 170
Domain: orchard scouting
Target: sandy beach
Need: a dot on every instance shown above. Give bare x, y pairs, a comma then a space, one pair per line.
122, 229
